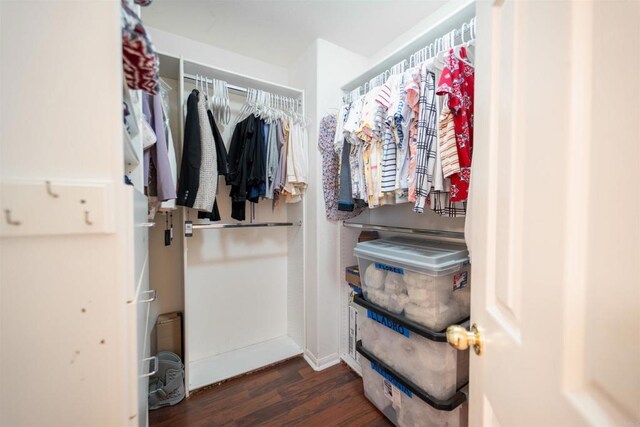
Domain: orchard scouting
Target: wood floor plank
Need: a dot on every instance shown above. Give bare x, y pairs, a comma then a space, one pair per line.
290, 393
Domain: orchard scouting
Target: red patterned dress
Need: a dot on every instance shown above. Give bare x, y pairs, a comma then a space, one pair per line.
457, 81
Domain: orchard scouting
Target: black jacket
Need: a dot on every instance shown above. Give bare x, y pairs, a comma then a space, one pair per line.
246, 164
189, 180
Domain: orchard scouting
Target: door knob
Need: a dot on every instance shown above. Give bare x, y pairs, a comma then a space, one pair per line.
461, 339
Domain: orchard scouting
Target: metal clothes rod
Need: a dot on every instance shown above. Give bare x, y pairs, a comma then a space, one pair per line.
238, 89
420, 231
234, 88
248, 225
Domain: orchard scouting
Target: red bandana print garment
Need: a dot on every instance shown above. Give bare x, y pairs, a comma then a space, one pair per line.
140, 62
457, 81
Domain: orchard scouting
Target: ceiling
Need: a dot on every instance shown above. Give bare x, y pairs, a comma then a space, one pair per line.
278, 31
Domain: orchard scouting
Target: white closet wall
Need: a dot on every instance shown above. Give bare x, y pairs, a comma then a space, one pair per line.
175, 45
321, 70
64, 352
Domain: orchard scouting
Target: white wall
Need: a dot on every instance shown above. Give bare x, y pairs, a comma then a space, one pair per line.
320, 72
176, 45
63, 355
303, 75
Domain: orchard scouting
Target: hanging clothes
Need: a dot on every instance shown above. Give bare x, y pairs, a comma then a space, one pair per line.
246, 164
281, 171
400, 128
256, 185
457, 82
140, 61
160, 183
189, 181
331, 183
412, 90
297, 162
439, 198
208, 163
169, 205
271, 161
426, 138
447, 142
389, 146
221, 166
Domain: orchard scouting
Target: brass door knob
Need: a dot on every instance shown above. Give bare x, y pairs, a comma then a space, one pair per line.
461, 339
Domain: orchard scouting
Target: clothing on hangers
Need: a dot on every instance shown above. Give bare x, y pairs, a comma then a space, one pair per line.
412, 89
208, 164
189, 181
140, 61
221, 165
426, 138
447, 140
281, 170
457, 81
246, 165
158, 176
336, 208
169, 205
402, 145
271, 159
297, 162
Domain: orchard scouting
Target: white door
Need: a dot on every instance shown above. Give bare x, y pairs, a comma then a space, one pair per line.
555, 228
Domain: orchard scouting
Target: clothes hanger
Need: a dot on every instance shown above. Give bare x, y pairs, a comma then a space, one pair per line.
219, 99
461, 54
227, 108
244, 108
206, 88
215, 100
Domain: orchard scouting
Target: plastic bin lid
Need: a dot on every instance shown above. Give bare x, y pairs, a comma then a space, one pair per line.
421, 254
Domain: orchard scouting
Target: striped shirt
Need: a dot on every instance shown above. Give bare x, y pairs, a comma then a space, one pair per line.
389, 147
447, 141
413, 96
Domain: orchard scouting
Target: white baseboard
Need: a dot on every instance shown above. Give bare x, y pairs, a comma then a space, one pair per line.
322, 363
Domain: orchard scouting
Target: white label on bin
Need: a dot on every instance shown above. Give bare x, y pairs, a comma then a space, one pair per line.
388, 389
460, 280
397, 400
393, 393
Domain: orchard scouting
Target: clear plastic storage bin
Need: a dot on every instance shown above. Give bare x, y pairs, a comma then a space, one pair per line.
420, 355
403, 403
426, 282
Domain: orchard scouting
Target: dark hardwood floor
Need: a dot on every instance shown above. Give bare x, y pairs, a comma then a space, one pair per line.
287, 394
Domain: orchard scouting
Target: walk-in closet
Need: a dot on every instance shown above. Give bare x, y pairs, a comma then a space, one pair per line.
319, 212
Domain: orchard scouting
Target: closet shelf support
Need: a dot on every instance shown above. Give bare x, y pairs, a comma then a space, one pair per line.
419, 231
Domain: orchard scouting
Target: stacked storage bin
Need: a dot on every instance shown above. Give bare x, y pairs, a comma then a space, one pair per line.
412, 291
